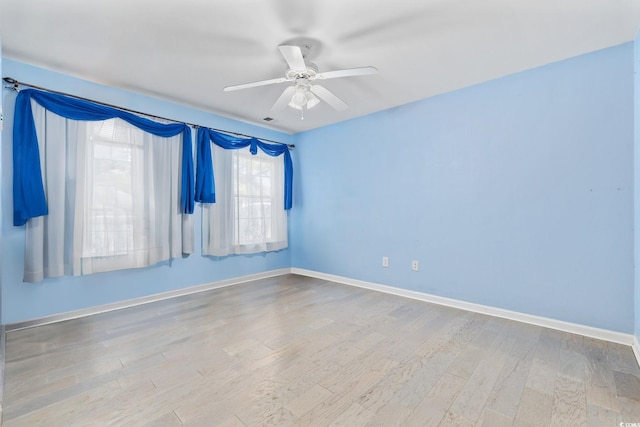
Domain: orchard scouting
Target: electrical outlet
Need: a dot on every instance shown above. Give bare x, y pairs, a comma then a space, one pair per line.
414, 265
385, 261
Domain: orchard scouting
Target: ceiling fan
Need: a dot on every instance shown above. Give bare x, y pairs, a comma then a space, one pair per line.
304, 93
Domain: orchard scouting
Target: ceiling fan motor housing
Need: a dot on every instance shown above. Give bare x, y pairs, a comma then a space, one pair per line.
309, 73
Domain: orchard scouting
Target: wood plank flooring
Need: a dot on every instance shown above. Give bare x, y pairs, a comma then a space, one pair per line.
296, 351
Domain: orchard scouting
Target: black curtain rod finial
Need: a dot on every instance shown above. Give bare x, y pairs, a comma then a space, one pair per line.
12, 82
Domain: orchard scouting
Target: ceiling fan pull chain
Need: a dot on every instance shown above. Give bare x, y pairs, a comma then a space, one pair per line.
302, 113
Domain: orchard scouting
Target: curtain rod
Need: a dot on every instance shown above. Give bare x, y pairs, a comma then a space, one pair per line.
16, 83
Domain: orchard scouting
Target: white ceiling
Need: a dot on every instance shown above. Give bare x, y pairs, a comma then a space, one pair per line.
187, 51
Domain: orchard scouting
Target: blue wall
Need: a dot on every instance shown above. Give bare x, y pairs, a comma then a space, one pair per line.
23, 301
516, 193
637, 186
1, 215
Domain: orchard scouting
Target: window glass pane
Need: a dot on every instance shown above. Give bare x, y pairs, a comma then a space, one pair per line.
109, 217
253, 189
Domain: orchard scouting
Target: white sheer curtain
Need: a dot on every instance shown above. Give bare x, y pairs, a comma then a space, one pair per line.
248, 215
113, 197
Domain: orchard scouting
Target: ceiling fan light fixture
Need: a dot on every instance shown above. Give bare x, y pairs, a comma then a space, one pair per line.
312, 100
299, 98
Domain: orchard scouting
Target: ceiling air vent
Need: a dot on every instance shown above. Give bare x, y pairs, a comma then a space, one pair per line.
268, 119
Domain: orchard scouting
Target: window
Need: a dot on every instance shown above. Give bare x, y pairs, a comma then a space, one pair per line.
113, 197
248, 215
252, 193
109, 220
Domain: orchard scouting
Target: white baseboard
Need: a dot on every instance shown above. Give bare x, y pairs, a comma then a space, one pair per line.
636, 349
574, 328
144, 300
2, 363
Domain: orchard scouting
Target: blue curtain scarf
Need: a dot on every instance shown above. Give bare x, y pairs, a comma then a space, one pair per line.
205, 185
29, 199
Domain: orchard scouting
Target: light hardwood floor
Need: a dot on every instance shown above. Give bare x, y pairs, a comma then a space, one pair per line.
299, 351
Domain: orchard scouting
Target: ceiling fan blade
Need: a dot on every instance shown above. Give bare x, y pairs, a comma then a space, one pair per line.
293, 56
284, 99
327, 96
360, 71
255, 84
